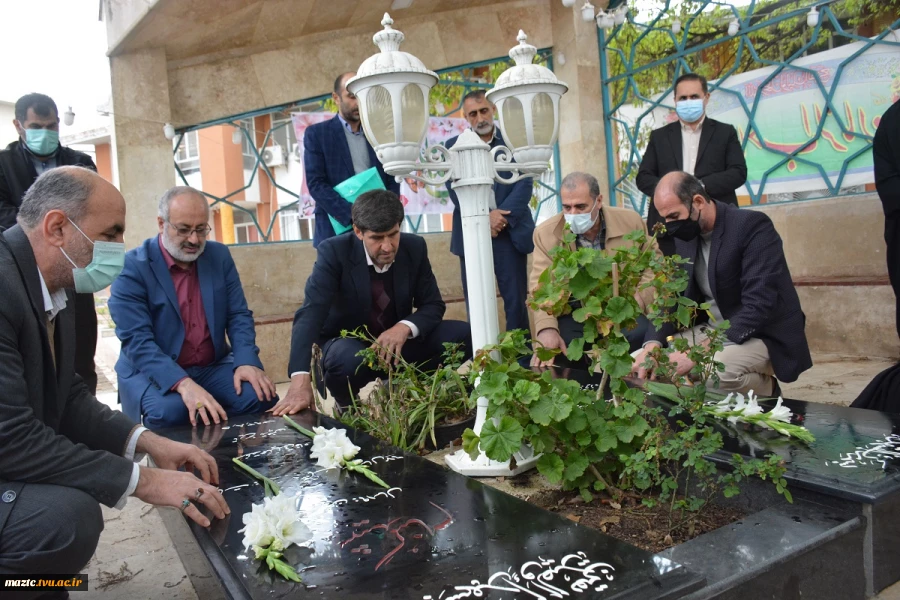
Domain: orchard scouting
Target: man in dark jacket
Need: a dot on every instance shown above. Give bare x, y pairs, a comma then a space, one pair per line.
63, 452
512, 225
886, 156
334, 151
373, 277
37, 150
705, 148
738, 266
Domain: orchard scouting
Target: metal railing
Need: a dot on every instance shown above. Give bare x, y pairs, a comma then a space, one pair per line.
773, 52
454, 83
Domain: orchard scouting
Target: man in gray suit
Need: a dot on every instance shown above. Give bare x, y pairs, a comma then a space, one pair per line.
63, 452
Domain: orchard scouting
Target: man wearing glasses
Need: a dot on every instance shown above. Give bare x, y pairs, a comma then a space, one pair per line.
173, 305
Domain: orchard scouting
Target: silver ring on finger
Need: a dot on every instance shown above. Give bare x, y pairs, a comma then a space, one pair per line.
184, 504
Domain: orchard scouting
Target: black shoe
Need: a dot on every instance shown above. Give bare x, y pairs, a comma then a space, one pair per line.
776, 389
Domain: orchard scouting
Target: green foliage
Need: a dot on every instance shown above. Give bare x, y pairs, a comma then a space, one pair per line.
640, 46
618, 445
406, 405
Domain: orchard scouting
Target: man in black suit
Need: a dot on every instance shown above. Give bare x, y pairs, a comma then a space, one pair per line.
512, 226
706, 148
372, 277
886, 156
63, 452
333, 151
738, 265
36, 150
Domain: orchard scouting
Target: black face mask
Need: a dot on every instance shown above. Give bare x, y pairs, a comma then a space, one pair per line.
684, 229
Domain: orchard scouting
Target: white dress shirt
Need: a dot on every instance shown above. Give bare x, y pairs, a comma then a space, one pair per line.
690, 144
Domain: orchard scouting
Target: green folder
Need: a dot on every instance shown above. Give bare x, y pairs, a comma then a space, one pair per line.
351, 188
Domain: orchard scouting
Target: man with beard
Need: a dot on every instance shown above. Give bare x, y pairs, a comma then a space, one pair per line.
737, 265
177, 298
334, 151
512, 225
36, 151
64, 453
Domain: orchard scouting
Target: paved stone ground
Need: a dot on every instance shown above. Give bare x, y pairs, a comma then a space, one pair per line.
136, 559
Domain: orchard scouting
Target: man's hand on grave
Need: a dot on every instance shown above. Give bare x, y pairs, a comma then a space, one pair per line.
390, 343
548, 338
198, 401
639, 368
262, 385
170, 455
299, 396
161, 487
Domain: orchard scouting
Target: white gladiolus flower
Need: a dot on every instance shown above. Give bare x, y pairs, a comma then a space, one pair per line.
291, 530
331, 447
276, 523
738, 407
258, 528
780, 413
752, 408
723, 406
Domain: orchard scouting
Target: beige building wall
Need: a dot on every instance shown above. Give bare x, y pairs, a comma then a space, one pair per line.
201, 61
835, 251
8, 133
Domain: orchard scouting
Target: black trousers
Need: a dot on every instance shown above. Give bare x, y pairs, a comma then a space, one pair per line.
892, 238
511, 269
86, 339
344, 371
50, 530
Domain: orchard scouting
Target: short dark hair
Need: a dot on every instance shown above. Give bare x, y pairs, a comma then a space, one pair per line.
42, 105
474, 95
377, 210
692, 77
689, 186
339, 82
573, 179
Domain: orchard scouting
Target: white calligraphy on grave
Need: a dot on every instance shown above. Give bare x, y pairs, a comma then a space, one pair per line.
541, 579
874, 454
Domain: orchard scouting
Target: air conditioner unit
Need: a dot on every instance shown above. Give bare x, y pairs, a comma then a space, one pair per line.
273, 156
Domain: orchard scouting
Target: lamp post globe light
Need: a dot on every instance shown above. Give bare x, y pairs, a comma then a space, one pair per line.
392, 88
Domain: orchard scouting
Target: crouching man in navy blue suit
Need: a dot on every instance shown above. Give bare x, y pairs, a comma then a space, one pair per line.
374, 277
176, 299
737, 264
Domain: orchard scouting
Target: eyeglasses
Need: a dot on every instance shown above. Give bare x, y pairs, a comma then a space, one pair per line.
185, 232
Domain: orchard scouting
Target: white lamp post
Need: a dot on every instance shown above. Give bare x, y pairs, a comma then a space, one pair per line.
392, 88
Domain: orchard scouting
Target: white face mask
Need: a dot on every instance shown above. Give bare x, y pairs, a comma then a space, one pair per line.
582, 222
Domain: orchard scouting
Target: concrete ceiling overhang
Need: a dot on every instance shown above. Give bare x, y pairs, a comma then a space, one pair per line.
187, 29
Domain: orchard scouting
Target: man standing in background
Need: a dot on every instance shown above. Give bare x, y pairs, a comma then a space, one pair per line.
334, 151
512, 225
703, 147
36, 151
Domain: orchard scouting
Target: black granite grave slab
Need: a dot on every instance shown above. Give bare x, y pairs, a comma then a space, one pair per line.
851, 470
434, 535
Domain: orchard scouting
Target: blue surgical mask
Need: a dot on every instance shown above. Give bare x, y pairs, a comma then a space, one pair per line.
582, 222
106, 264
42, 142
689, 111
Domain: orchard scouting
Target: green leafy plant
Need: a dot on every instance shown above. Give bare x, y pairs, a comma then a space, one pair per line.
408, 403
616, 440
